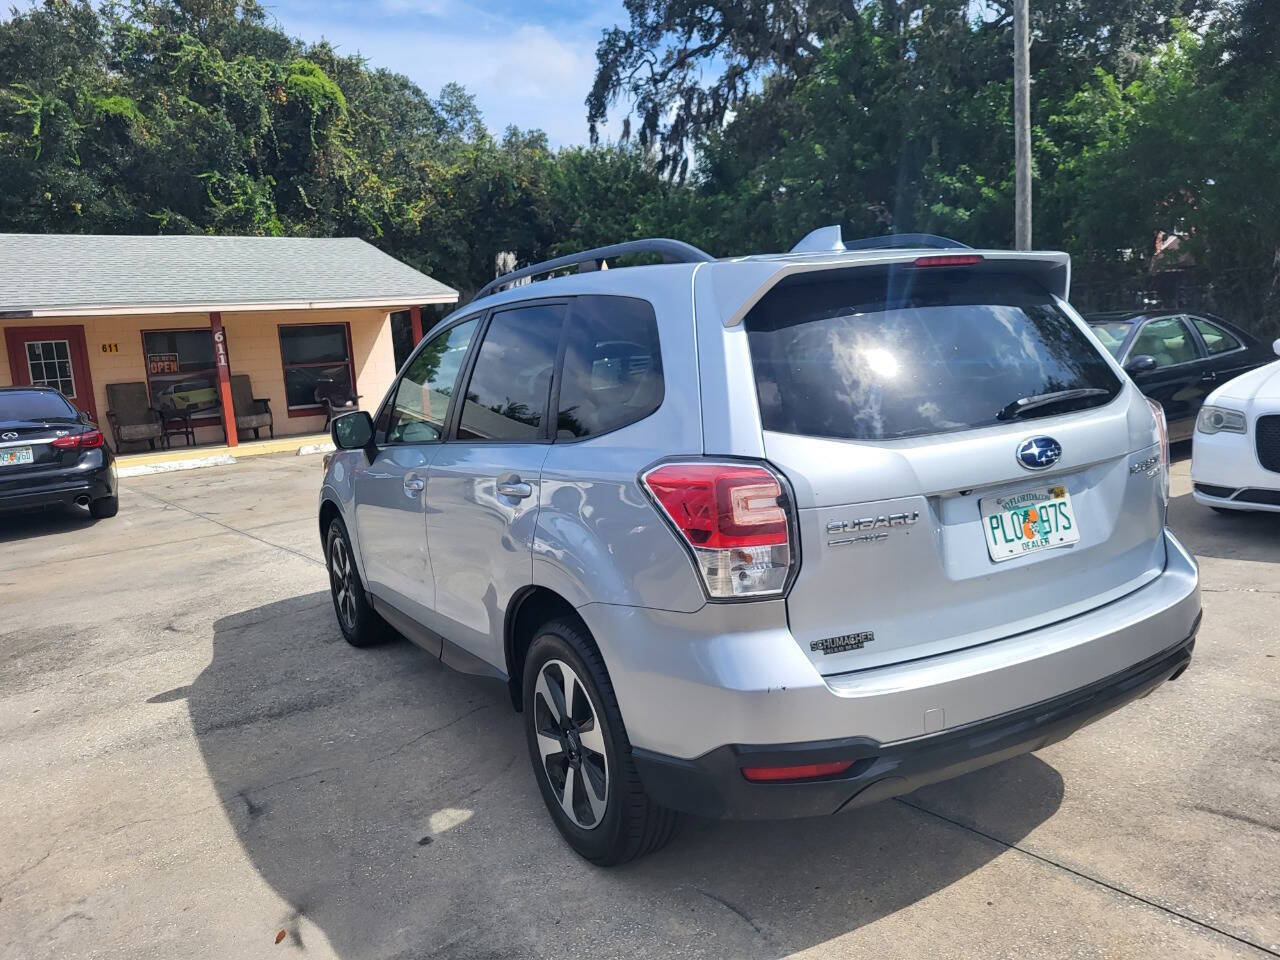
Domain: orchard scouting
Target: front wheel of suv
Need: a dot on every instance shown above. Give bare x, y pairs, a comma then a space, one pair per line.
359, 622
580, 752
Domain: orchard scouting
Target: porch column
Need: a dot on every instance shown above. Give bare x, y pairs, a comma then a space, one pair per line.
415, 317
224, 378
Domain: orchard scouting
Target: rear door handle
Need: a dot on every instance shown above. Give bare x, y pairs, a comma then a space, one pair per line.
413, 483
516, 489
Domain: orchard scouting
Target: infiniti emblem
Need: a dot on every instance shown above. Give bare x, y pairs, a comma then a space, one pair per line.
10, 435
1037, 453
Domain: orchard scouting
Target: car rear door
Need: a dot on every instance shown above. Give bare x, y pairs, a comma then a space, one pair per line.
1228, 355
390, 491
1181, 378
483, 484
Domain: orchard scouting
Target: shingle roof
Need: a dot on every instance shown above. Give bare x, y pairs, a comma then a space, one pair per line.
51, 273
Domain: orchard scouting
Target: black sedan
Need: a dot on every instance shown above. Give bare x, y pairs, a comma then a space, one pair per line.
52, 454
1178, 358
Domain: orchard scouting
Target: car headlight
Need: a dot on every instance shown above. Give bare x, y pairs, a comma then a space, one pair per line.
1220, 420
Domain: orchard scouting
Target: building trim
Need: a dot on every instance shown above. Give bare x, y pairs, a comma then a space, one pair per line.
125, 310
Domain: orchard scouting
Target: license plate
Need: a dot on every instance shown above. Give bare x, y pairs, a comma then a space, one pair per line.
1028, 522
15, 455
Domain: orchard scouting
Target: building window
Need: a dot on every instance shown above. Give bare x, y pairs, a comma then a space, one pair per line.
317, 361
49, 364
181, 371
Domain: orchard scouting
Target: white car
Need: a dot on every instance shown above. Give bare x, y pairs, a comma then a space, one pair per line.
1235, 457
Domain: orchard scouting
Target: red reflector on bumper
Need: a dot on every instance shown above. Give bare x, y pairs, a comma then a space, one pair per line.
805, 771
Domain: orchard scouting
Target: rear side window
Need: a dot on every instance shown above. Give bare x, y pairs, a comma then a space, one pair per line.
876, 354
612, 374
1216, 340
510, 385
34, 405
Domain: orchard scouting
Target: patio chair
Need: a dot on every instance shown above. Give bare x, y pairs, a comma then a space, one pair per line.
131, 415
336, 398
252, 413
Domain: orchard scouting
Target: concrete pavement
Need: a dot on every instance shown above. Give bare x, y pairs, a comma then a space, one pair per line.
194, 763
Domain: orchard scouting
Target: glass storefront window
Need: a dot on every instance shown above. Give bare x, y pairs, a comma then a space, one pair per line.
181, 372
317, 360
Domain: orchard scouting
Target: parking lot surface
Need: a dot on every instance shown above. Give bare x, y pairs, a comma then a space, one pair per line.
196, 765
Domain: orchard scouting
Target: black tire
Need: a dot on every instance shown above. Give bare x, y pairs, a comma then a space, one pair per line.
631, 825
104, 508
357, 619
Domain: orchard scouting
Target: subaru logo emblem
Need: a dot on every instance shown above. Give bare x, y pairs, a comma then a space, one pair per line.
1038, 453
9, 436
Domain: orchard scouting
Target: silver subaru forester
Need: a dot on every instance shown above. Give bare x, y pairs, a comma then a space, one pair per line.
768, 536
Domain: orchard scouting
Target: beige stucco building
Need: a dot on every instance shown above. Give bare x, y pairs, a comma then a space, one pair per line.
301, 317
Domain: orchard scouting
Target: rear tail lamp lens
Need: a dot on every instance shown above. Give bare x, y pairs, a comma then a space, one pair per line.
732, 518
1162, 428
806, 771
79, 441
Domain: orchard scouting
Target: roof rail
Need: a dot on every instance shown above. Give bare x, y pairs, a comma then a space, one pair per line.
671, 251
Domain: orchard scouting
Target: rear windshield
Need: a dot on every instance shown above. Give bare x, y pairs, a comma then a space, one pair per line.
34, 405
883, 354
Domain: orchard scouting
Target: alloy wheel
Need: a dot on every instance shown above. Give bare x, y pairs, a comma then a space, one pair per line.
342, 579
571, 744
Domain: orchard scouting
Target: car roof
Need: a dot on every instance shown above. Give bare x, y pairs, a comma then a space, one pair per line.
1114, 316
1133, 316
29, 388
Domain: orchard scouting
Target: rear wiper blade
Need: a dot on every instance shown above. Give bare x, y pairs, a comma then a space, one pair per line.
1016, 409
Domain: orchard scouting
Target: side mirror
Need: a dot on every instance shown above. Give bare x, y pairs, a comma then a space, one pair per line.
1143, 363
1276, 347
352, 431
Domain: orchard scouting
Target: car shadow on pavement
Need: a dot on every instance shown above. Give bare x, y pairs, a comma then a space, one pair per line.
391, 805
1233, 535
42, 521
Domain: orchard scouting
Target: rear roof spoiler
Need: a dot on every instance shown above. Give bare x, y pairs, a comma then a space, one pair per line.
739, 285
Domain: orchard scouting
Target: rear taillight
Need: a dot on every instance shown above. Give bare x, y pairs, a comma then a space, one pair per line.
804, 771
734, 519
1162, 428
79, 441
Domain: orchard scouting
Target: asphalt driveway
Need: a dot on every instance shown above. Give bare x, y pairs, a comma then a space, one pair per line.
194, 764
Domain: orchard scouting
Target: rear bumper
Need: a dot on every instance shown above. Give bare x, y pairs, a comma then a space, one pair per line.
713, 785
60, 488
694, 688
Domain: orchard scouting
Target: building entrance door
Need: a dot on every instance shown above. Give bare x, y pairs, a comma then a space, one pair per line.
52, 357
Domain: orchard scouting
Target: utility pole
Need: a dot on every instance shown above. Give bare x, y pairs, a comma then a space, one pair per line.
1022, 124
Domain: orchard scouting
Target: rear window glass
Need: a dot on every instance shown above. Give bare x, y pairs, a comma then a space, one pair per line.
511, 382
612, 373
1215, 338
34, 405
884, 354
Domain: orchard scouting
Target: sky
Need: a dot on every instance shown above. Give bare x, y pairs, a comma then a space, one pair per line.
527, 63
